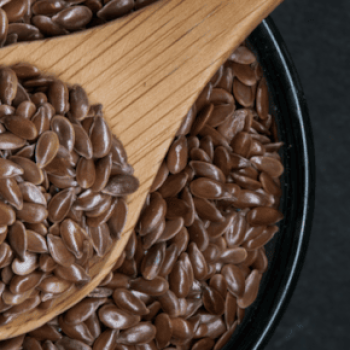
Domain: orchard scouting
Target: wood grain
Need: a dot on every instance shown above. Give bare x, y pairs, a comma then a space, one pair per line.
147, 70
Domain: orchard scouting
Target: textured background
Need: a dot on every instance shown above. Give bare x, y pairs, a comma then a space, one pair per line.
317, 34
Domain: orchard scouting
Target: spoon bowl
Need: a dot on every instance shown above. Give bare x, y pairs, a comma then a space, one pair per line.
146, 69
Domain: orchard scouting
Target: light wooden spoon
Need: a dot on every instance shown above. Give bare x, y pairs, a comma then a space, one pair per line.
147, 70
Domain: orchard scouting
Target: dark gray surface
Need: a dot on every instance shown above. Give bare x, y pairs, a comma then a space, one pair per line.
317, 34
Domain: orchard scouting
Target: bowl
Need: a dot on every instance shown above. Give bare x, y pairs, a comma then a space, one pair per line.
286, 252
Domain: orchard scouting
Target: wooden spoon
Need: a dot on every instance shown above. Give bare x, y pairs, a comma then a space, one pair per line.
147, 69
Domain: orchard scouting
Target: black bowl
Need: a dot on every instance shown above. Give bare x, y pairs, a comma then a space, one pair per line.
286, 252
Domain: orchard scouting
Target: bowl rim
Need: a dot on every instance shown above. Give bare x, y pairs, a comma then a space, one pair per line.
297, 103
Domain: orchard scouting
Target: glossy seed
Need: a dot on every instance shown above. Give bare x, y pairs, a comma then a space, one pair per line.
269, 185
115, 8
180, 279
120, 185
251, 290
41, 120
23, 32
62, 181
72, 343
21, 284
89, 200
25, 266
156, 287
201, 119
176, 208
144, 332
204, 344
199, 265
60, 166
79, 104
104, 214
207, 210
211, 253
58, 251
86, 172
47, 7
60, 205
261, 262
207, 170
213, 302
262, 99
181, 240
31, 172
171, 304
39, 228
74, 273
26, 151
73, 237
17, 299
217, 228
102, 173
16, 10
219, 283
26, 109
164, 328
220, 96
234, 278
101, 138
211, 329
177, 155
153, 214
3, 27
106, 340
235, 255
271, 166
7, 215
93, 324
39, 98
46, 332
173, 185
181, 328
160, 178
36, 242
18, 239
32, 193
243, 94
73, 18
21, 127
53, 284
115, 318
127, 301
46, 263
264, 237
64, 130
8, 85
83, 310
46, 148
10, 142
263, 216
58, 95
235, 234
172, 228
208, 189
152, 261
101, 239
199, 235
169, 261
10, 191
